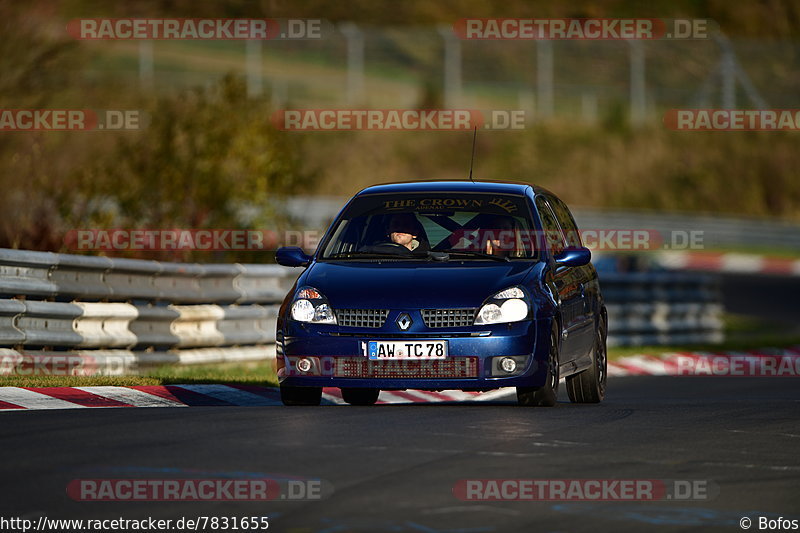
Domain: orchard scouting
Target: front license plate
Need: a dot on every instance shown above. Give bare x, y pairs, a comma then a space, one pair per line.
406, 350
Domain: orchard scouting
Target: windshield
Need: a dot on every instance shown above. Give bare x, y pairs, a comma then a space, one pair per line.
433, 225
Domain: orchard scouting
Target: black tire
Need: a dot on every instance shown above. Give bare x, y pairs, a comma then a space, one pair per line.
360, 396
589, 386
301, 395
547, 395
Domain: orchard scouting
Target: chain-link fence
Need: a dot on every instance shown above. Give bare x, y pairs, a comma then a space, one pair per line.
584, 81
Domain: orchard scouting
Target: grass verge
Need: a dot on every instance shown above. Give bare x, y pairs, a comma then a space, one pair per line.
261, 373
728, 346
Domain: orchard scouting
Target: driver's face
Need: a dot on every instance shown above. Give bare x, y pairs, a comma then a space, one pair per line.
402, 238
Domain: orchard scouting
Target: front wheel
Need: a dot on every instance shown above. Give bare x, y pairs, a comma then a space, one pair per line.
360, 396
301, 395
590, 385
547, 395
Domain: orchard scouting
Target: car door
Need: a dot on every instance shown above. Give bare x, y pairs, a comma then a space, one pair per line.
583, 329
566, 283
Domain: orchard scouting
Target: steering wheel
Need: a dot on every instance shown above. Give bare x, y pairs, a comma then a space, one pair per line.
389, 247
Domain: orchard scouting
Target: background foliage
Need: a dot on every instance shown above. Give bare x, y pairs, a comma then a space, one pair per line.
209, 157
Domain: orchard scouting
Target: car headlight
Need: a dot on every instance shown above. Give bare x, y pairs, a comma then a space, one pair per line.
510, 305
311, 306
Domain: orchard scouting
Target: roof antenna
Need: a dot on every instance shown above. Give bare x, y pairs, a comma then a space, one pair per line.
472, 159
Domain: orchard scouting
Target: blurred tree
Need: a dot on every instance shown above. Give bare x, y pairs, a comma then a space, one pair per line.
208, 158
39, 66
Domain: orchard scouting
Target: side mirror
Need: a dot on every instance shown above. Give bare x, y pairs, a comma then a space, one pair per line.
573, 257
292, 256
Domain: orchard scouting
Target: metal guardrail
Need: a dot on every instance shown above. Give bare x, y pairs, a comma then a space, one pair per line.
717, 231
71, 277
652, 308
115, 316
101, 315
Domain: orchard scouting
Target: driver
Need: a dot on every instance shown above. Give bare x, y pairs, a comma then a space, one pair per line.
403, 230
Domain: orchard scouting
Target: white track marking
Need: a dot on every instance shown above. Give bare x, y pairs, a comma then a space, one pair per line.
133, 397
742, 263
333, 399
615, 370
34, 400
499, 394
647, 365
428, 398
388, 397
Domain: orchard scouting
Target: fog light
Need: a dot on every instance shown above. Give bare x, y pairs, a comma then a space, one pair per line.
507, 364
304, 365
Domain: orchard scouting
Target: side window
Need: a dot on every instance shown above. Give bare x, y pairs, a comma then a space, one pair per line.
552, 232
347, 237
567, 222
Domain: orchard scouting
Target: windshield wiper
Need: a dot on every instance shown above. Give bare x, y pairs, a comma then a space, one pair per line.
429, 255
483, 255
375, 255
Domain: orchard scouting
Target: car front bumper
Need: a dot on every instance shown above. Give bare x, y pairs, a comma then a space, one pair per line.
338, 359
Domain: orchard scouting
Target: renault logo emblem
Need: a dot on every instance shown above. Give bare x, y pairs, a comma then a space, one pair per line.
404, 321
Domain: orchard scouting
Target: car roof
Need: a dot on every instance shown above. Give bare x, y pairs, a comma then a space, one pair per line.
482, 186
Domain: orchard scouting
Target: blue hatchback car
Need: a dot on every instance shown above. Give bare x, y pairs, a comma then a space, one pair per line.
441, 285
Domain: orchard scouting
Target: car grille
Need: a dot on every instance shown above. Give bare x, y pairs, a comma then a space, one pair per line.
359, 367
361, 318
449, 318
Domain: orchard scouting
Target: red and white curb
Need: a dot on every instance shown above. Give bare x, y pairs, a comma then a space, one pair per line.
730, 262
767, 362
14, 398
34, 398
666, 364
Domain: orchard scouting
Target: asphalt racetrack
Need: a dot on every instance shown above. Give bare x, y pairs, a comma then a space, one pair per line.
393, 467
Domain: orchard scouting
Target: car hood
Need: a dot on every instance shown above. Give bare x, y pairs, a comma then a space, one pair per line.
413, 285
